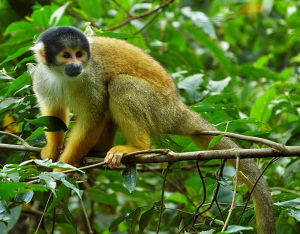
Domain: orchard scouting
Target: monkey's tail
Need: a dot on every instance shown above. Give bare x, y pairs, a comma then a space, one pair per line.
263, 204
187, 122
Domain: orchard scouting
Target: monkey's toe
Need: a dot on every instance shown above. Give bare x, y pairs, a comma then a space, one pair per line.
114, 158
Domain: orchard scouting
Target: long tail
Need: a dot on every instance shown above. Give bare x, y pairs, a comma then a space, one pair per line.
263, 204
187, 122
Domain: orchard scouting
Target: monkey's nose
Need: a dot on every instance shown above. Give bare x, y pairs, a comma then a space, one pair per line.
73, 69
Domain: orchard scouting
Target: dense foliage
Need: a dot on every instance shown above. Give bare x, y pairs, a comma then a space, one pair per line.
236, 62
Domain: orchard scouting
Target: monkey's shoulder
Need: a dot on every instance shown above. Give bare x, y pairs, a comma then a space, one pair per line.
120, 57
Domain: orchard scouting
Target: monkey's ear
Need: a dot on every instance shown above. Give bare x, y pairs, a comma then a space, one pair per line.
39, 52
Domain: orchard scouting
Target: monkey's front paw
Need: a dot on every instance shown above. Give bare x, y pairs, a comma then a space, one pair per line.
50, 153
116, 153
114, 157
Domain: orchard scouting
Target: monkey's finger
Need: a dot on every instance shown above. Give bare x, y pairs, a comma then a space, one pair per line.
116, 161
109, 157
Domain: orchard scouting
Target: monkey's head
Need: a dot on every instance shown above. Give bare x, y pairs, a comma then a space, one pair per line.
64, 49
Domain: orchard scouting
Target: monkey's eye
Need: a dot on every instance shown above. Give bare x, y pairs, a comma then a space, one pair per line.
78, 54
67, 55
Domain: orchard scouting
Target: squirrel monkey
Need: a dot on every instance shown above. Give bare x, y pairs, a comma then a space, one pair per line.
109, 83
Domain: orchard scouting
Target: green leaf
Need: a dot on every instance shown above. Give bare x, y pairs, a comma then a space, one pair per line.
176, 221
236, 228
35, 134
52, 124
91, 8
259, 72
48, 163
24, 197
178, 198
18, 53
9, 189
18, 84
133, 217
62, 177
291, 203
18, 26
219, 85
261, 108
58, 14
8, 217
118, 220
145, 219
200, 20
214, 49
295, 214
102, 197
191, 84
62, 193
129, 176
69, 216
48, 179
215, 141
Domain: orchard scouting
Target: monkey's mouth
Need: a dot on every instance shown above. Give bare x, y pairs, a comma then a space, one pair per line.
73, 69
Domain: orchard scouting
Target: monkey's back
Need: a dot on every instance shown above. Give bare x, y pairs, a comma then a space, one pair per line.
118, 57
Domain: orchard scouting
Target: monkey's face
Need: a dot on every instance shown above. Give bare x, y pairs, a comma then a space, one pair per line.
64, 50
71, 61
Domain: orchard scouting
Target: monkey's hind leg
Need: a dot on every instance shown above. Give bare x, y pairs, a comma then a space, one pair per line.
137, 140
106, 139
127, 103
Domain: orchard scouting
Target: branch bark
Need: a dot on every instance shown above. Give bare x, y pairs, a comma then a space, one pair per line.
165, 155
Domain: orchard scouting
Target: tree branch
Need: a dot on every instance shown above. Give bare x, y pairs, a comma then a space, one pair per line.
272, 144
165, 155
129, 19
15, 136
20, 148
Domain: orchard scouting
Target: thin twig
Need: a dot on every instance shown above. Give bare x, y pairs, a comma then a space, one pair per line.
162, 197
234, 194
53, 220
272, 144
285, 190
178, 188
120, 6
204, 194
86, 216
15, 136
256, 182
147, 24
215, 196
44, 211
150, 12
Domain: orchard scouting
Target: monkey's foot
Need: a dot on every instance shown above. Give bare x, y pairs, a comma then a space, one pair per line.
116, 153
49, 152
